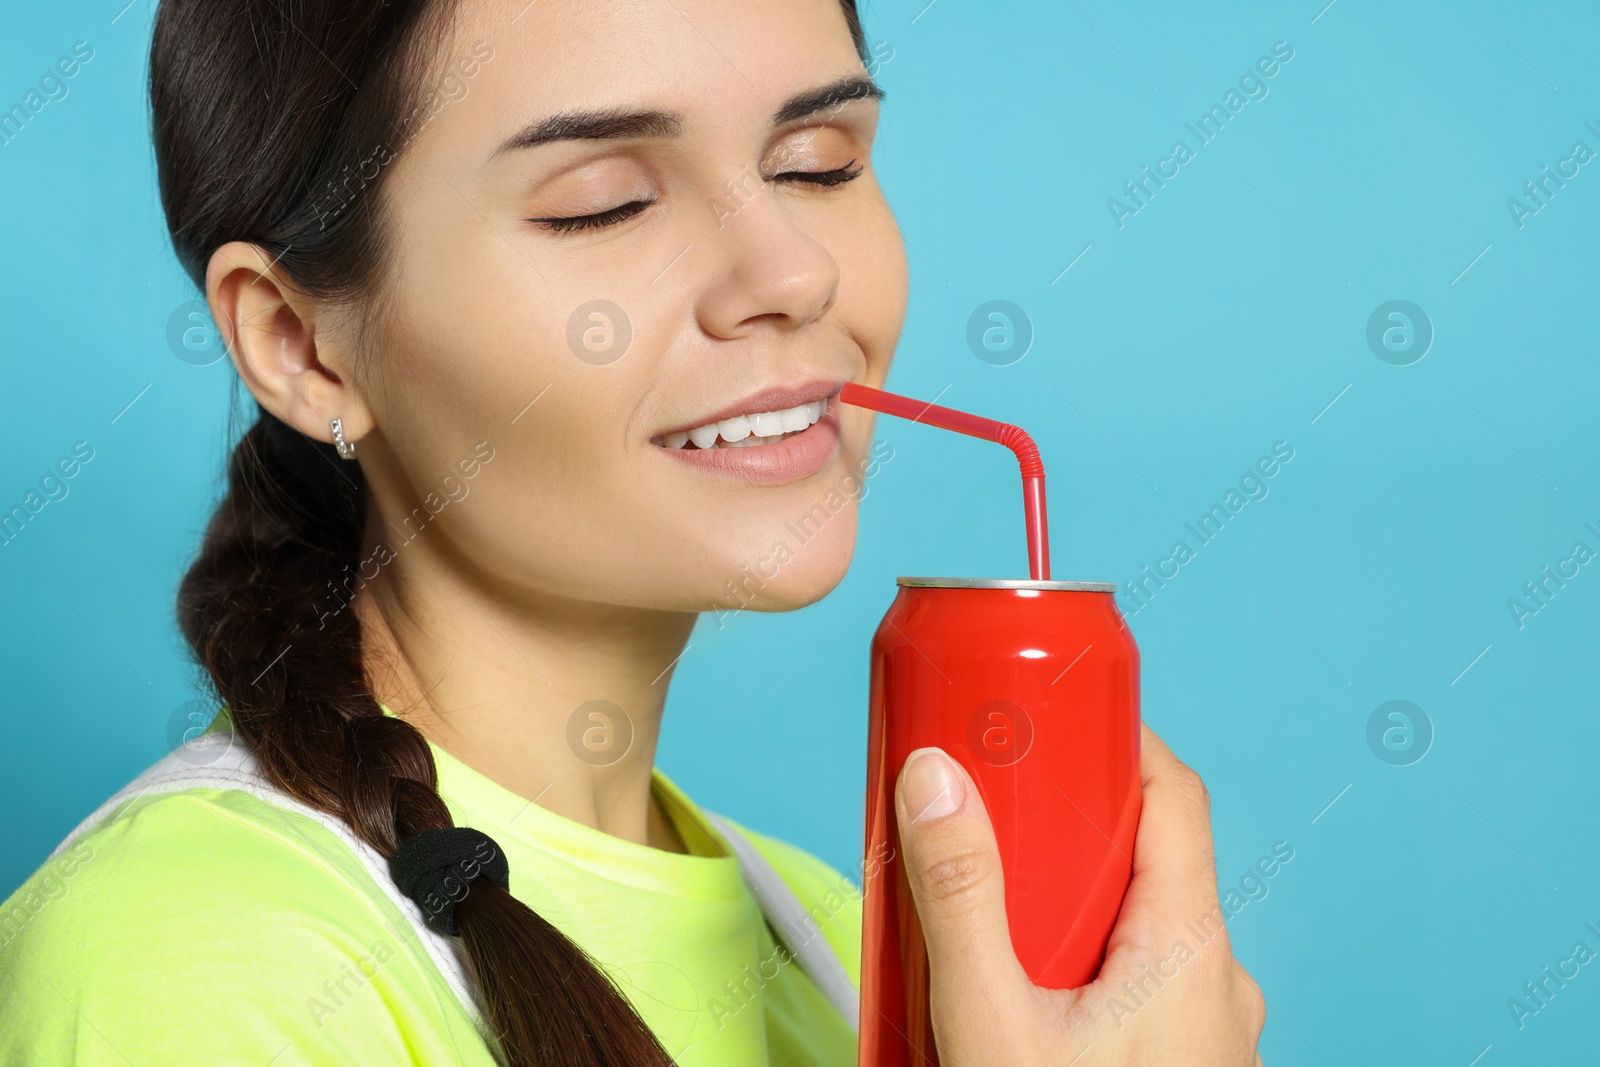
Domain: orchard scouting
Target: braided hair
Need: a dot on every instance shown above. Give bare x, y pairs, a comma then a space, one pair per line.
248, 144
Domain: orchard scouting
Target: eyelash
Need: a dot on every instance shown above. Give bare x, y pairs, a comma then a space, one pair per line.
574, 223
604, 218
837, 176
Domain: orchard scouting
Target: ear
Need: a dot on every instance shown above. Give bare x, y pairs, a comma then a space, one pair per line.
282, 346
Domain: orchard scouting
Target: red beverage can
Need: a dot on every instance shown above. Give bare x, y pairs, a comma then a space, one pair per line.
1033, 686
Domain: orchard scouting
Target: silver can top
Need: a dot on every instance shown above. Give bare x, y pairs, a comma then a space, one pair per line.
1006, 583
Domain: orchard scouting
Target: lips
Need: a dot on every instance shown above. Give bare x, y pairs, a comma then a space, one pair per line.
744, 431
765, 414
764, 451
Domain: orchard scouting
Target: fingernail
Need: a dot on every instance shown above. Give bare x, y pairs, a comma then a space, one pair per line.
932, 789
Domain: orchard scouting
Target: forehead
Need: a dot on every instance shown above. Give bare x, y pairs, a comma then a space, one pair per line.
713, 60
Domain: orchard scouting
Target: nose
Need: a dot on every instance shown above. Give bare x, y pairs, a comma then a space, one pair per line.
768, 273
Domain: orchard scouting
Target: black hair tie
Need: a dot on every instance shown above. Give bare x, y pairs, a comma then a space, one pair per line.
434, 868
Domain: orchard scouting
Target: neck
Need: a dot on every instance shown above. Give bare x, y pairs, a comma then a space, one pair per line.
559, 701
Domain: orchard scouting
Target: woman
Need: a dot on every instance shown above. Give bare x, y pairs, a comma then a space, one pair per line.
544, 307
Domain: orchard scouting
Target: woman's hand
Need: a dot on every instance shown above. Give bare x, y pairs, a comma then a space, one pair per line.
1163, 997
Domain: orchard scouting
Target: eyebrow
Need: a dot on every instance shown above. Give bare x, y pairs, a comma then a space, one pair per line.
615, 123
829, 97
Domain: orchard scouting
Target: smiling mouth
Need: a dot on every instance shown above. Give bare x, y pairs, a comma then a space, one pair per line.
746, 431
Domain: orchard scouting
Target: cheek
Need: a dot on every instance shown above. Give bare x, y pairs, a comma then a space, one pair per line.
874, 279
542, 517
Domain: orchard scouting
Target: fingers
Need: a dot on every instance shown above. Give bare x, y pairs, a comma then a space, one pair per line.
1206, 1007
1254, 1004
1174, 887
953, 866
1173, 847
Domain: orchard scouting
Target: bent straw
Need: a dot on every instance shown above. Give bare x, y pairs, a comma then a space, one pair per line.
1013, 437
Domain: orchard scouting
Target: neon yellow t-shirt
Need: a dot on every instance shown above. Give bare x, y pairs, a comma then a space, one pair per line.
209, 926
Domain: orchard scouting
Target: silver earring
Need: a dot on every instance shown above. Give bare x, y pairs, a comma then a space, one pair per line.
347, 449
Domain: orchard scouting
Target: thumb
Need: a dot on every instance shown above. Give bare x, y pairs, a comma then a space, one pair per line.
953, 866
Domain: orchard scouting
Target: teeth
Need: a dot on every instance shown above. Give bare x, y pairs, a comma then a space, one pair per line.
769, 424
744, 431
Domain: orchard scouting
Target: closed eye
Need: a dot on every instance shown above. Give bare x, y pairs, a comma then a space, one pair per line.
837, 176
603, 218
574, 223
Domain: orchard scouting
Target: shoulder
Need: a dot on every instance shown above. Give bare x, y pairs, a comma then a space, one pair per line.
206, 925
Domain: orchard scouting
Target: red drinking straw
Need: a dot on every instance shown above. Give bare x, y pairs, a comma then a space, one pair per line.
1013, 437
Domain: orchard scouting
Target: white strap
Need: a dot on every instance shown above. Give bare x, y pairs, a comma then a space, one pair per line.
793, 925
218, 760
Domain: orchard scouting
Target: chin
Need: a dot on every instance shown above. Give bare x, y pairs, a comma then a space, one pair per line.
800, 566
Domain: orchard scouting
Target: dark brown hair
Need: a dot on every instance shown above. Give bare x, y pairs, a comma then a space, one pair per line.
273, 121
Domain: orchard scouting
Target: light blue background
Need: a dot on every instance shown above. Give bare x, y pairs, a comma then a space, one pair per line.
1227, 315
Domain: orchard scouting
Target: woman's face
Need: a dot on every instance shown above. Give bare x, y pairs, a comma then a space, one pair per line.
730, 253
